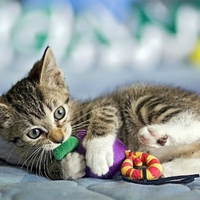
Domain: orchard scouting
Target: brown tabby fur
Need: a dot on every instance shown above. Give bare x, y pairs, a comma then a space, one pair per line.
31, 102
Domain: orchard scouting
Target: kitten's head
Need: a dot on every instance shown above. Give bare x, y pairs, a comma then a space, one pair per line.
35, 111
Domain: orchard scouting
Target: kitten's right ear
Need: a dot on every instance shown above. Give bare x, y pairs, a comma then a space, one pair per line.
46, 71
5, 115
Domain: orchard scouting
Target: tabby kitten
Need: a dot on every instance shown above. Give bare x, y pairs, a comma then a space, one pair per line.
37, 115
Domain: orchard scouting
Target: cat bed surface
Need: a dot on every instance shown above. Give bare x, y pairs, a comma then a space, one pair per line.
18, 184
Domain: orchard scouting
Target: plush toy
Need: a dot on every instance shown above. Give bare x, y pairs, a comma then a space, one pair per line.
153, 169
124, 160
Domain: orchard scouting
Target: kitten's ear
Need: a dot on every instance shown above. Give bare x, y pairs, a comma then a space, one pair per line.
5, 115
46, 71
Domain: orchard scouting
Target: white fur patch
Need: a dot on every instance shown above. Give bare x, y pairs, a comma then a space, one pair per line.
181, 129
99, 154
73, 166
182, 166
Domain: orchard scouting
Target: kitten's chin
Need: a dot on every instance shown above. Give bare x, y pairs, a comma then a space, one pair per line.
50, 147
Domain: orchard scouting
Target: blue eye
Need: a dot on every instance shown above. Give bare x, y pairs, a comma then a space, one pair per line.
34, 133
59, 113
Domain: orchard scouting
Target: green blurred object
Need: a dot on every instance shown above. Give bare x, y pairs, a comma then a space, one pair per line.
66, 147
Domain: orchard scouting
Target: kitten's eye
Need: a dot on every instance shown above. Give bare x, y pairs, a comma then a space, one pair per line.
59, 113
34, 133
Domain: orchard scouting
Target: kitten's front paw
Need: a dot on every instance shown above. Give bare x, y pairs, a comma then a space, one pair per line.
99, 155
73, 166
152, 136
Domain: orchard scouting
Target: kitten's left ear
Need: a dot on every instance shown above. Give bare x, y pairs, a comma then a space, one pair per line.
46, 71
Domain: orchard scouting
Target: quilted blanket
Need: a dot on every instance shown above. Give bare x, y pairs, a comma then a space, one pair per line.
18, 184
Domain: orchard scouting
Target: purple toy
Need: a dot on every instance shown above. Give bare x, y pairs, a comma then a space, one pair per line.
118, 148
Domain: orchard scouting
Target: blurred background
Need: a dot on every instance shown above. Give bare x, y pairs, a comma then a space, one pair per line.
102, 44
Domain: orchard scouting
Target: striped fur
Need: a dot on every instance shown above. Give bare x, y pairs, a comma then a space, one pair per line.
131, 108
34, 102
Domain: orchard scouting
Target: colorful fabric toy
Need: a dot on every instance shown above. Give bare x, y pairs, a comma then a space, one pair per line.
124, 160
153, 169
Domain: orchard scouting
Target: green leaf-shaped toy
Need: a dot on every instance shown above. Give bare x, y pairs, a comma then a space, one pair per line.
66, 147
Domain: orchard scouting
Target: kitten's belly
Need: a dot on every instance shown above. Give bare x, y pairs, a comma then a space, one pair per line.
10, 153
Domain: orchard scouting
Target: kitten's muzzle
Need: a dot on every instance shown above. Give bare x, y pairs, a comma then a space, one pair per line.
57, 136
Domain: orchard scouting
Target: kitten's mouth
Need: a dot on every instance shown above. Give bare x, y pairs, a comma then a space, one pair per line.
50, 147
53, 145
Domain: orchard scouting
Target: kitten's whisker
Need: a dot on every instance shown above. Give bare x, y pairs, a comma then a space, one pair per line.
47, 155
73, 101
78, 129
42, 162
10, 153
33, 158
74, 121
74, 131
38, 163
23, 155
30, 157
49, 159
7, 157
81, 125
33, 163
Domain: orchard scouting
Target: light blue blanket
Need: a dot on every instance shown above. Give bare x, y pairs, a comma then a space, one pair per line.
17, 184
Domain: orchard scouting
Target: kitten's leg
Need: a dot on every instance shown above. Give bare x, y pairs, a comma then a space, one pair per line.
70, 167
178, 160
179, 130
181, 166
168, 153
100, 138
73, 166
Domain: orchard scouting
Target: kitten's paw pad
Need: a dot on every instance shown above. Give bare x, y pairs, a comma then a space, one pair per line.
99, 158
162, 141
153, 136
73, 166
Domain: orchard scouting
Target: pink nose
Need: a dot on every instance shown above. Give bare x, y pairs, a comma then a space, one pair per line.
57, 136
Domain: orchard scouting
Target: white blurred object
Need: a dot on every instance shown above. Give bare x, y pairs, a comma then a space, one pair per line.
60, 28
96, 39
7, 21
115, 51
178, 46
148, 52
81, 51
29, 31
83, 57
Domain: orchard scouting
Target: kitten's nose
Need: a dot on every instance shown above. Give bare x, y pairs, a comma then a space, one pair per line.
57, 136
